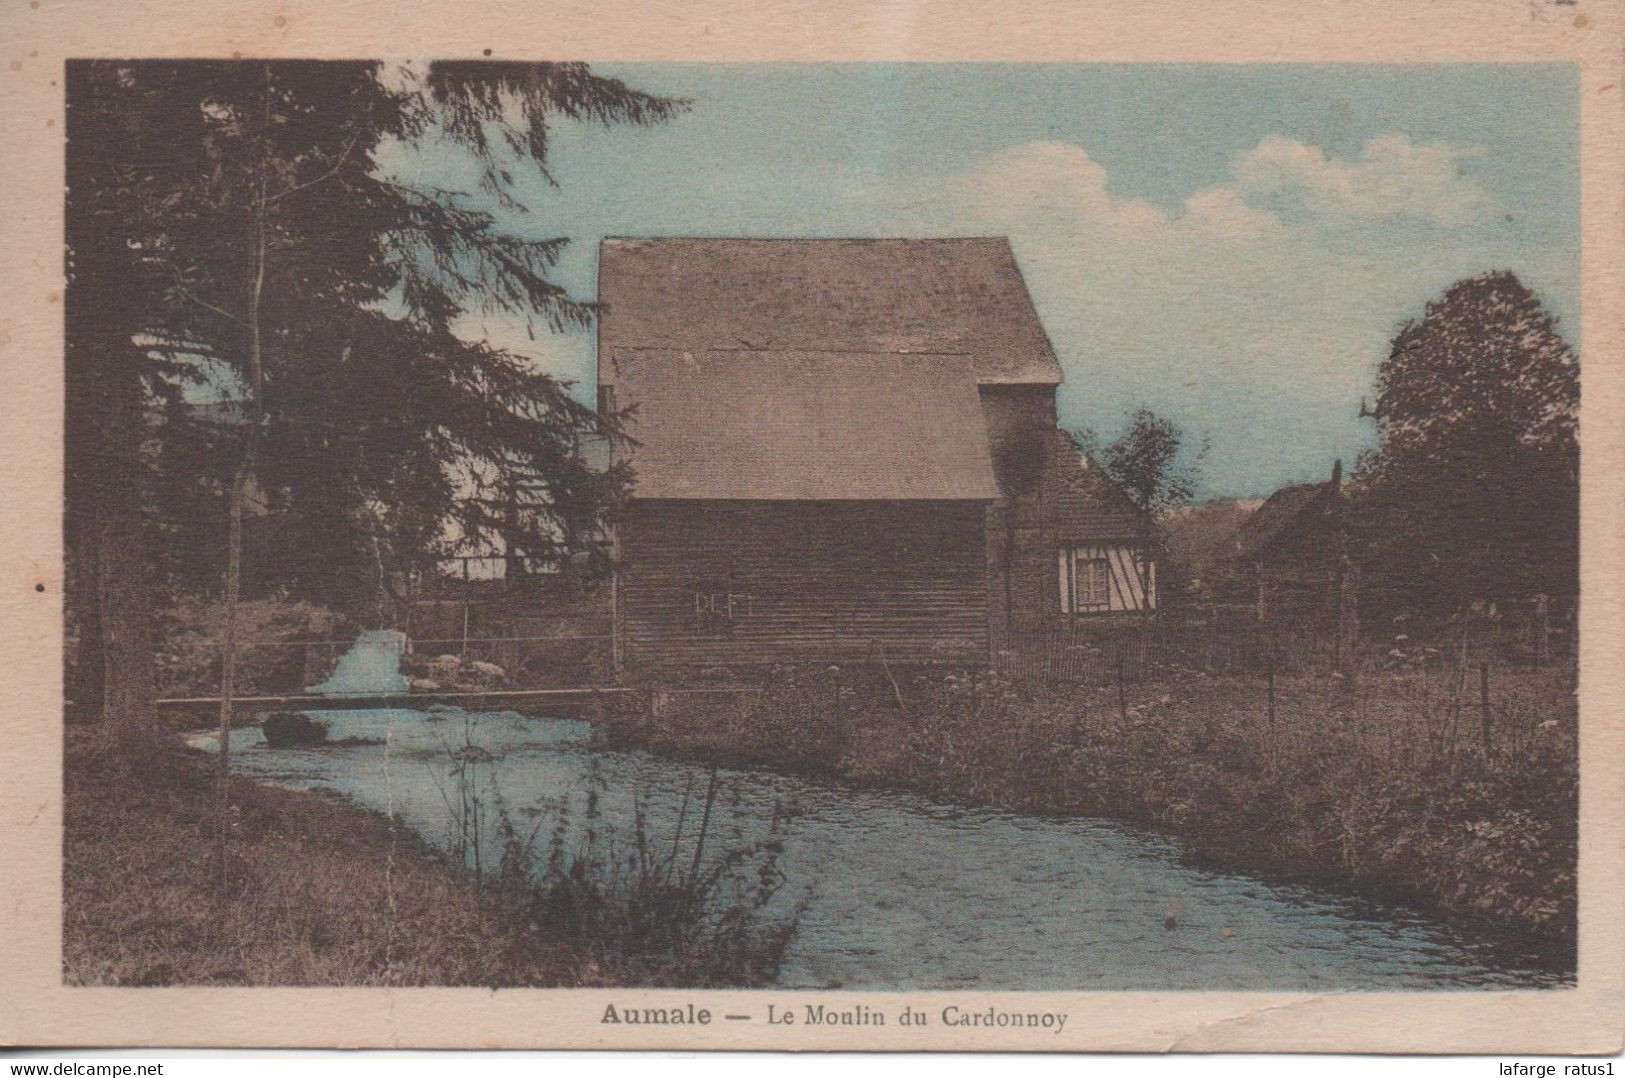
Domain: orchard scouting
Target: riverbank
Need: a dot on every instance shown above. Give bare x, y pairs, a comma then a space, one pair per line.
321, 892
324, 892
1389, 790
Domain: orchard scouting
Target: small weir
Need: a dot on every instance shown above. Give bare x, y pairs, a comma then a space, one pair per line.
369, 675
372, 665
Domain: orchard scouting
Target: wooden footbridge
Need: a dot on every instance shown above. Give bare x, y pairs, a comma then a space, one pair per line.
550, 701
367, 677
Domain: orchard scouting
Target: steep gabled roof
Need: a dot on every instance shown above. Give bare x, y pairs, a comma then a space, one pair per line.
963, 296
800, 426
1082, 502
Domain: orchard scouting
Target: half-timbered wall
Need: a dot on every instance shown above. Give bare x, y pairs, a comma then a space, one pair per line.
758, 582
1105, 579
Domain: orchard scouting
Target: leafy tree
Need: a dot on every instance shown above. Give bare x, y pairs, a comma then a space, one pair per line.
1155, 466
229, 223
1150, 460
1485, 356
1473, 492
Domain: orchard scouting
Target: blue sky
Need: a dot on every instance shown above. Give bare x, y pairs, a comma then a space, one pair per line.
1232, 246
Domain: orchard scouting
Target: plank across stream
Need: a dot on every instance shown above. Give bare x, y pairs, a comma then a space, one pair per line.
492, 700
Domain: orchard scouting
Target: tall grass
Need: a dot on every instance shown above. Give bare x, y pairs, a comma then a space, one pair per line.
320, 892
1404, 784
680, 909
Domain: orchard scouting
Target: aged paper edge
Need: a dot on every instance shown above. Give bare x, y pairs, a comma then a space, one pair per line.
35, 1007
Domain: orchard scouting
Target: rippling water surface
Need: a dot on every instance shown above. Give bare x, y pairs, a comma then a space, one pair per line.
907, 893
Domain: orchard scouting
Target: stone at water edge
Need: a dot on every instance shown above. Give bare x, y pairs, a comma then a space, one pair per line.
476, 676
442, 667
291, 730
423, 684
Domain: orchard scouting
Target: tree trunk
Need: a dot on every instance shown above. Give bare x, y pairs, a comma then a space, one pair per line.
513, 562
123, 610
1009, 570
1348, 621
84, 679
1543, 630
239, 488
113, 576
106, 485
228, 661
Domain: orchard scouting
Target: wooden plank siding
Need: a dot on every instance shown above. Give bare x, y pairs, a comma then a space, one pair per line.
729, 582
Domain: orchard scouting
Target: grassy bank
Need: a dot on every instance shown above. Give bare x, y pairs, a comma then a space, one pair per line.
1389, 788
321, 892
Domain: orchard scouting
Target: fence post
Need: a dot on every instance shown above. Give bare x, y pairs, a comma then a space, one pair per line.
1348, 621
1543, 630
840, 721
1484, 704
1269, 688
1122, 693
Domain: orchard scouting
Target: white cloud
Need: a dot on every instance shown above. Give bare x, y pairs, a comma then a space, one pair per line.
1222, 212
1393, 177
1052, 184
1058, 184
1256, 310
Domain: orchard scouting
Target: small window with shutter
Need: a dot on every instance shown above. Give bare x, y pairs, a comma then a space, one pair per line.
1091, 584
1106, 579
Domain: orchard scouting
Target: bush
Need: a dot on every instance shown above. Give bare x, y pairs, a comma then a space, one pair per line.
271, 657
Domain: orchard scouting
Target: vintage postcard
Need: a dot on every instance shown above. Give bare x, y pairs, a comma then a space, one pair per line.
897, 526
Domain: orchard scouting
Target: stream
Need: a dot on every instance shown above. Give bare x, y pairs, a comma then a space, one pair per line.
902, 892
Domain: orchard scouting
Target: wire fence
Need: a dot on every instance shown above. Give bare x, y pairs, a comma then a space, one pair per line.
1232, 642
449, 663
557, 660
264, 667
451, 648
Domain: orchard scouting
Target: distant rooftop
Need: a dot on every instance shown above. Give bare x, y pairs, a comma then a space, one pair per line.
1286, 512
902, 296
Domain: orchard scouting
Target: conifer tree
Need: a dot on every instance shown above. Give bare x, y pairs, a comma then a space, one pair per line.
228, 223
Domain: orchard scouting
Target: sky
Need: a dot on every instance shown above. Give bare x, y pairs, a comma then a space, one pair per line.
1232, 246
